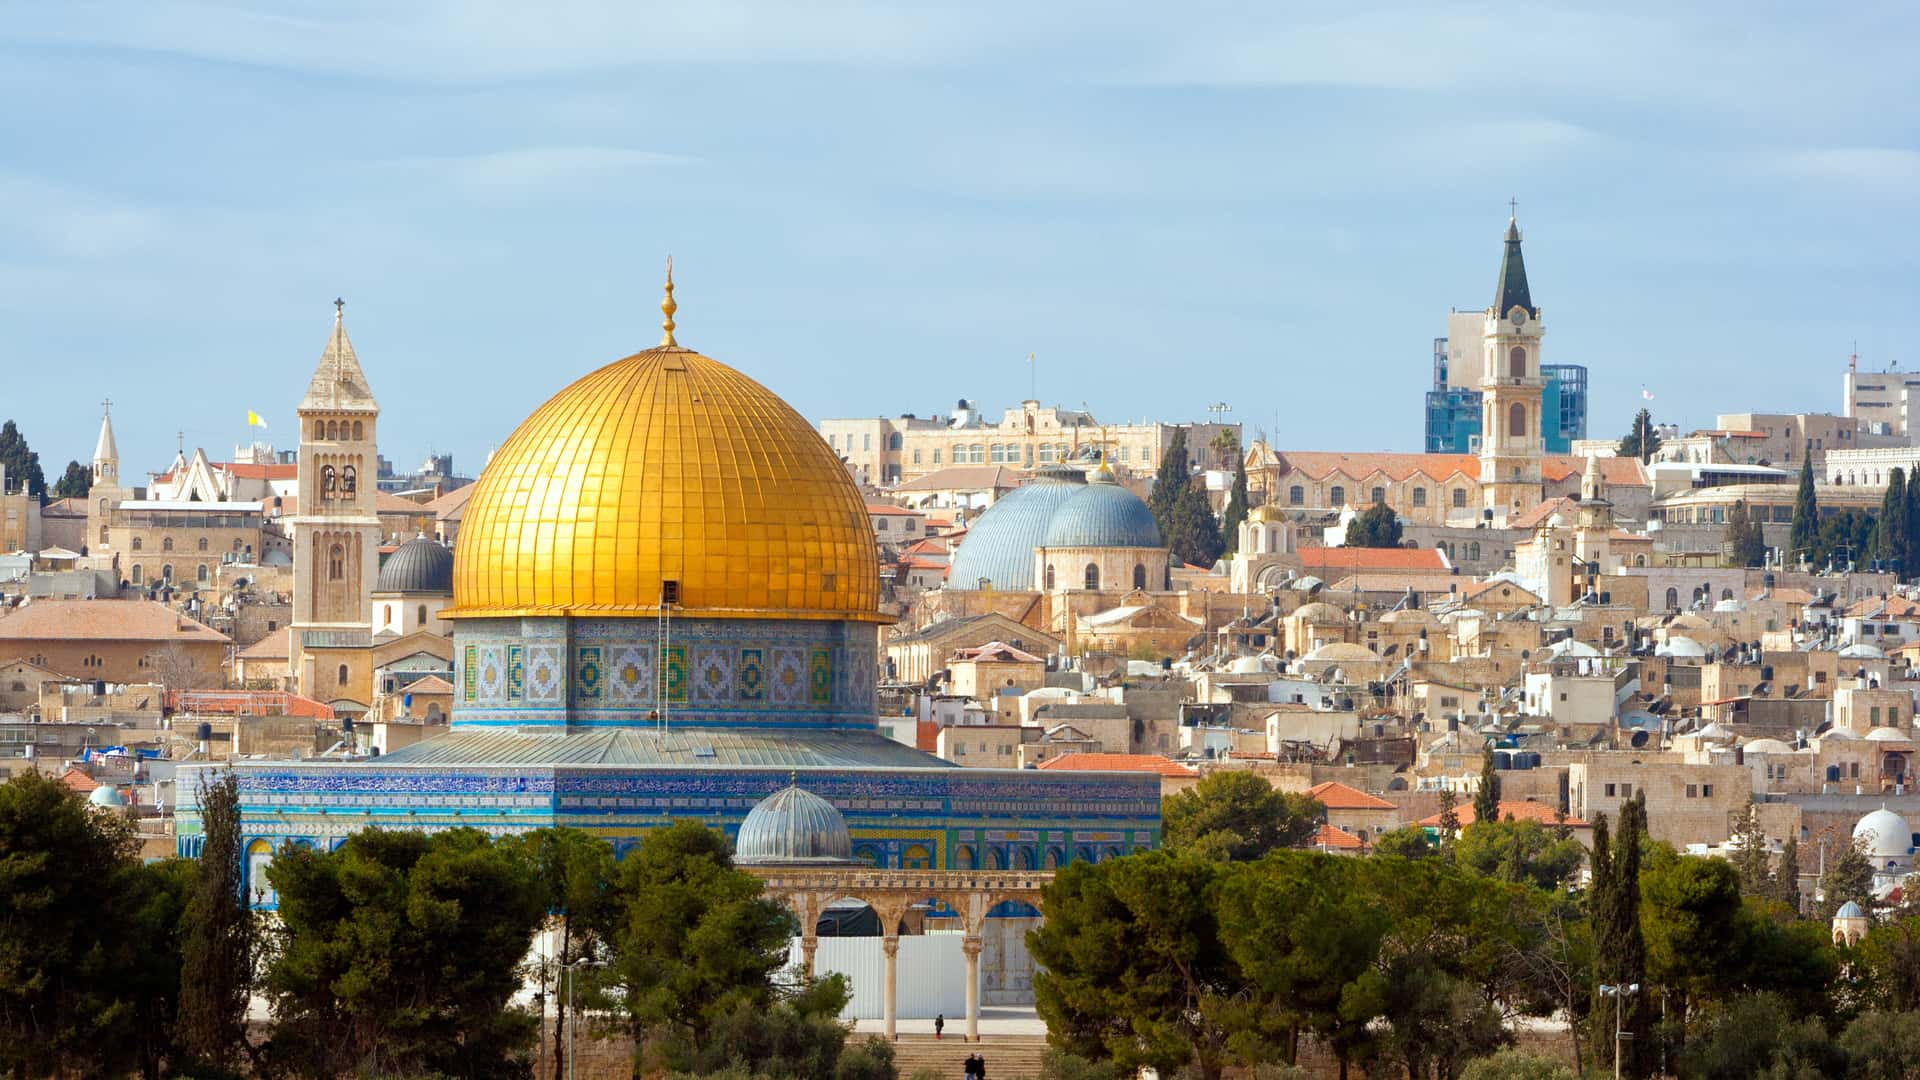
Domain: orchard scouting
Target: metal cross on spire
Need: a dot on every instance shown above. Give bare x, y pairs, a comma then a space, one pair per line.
106, 404
1513, 208
339, 309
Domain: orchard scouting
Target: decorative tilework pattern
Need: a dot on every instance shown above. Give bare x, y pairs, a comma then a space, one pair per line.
470, 673
633, 675
673, 667
820, 676
493, 673
750, 675
712, 675
588, 673
516, 672
789, 677
543, 674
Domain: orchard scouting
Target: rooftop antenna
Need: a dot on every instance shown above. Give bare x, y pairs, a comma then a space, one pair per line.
1853, 360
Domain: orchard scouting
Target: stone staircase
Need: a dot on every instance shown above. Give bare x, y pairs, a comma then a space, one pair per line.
1008, 1057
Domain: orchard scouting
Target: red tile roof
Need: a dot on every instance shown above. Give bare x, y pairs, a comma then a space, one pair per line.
1532, 518
1318, 465
1519, 811
886, 510
1334, 838
78, 782
1624, 471
1896, 607
1356, 558
1337, 796
1094, 762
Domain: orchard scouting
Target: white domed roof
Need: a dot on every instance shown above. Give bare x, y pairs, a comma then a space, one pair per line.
1680, 645
106, 795
1339, 651
1571, 647
1715, 731
1245, 665
1860, 650
1838, 733
1887, 835
1319, 614
1886, 734
1727, 605
1410, 616
1767, 746
1689, 621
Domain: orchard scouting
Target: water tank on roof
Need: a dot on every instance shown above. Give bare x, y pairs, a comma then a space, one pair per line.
1503, 759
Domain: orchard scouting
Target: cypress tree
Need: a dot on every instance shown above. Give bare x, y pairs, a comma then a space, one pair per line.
1890, 540
1910, 558
1629, 941
218, 939
1486, 801
1786, 880
1194, 534
1236, 509
1170, 481
1803, 536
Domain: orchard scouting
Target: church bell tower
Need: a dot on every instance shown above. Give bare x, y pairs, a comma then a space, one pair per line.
336, 527
1511, 438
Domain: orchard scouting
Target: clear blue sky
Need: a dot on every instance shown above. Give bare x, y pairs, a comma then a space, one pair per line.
881, 208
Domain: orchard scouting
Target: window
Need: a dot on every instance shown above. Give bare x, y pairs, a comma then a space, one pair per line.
893, 441
1139, 576
333, 430
1419, 497
236, 545
1296, 495
866, 441
916, 455
1379, 495
1706, 791
388, 608
166, 572
936, 455
166, 544
1049, 576
138, 573
356, 431
319, 429
1517, 362
103, 534
336, 563
203, 543
343, 674
1693, 791
1609, 791
1873, 716
1459, 498
1516, 420
1473, 551
880, 524
1673, 599
1626, 791
1339, 497
349, 482
1093, 576
136, 543
200, 573
328, 482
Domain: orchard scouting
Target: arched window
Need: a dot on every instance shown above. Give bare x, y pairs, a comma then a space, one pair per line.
319, 429
1378, 495
1049, 577
1639, 560
1516, 420
1139, 576
139, 572
203, 543
1296, 496
965, 859
327, 481
1419, 497
200, 573
349, 480
166, 543
336, 563
1473, 551
103, 534
136, 543
343, 674
420, 615
893, 441
333, 431
388, 609
1093, 576
1339, 496
356, 431
1517, 362
1673, 598
166, 572
1459, 498
103, 507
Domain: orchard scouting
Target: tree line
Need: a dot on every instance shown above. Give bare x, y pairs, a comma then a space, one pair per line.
1232, 948
395, 954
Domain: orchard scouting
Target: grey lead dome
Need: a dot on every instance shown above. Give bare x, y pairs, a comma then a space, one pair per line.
792, 826
421, 565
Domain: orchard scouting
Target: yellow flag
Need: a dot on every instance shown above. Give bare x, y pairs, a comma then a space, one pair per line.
253, 419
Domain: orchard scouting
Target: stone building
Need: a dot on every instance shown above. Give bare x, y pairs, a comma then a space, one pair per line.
120, 641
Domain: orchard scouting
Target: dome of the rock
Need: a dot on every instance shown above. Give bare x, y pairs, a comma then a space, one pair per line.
666, 466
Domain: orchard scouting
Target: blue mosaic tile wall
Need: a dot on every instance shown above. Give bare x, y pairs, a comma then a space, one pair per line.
527, 674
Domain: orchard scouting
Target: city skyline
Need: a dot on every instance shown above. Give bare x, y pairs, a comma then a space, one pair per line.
1293, 209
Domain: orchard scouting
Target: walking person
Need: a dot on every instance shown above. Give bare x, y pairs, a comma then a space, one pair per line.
939, 1025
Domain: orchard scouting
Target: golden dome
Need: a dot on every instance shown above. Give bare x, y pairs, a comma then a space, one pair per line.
666, 466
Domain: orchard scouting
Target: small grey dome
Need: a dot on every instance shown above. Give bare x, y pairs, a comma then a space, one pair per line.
1850, 910
999, 546
792, 826
420, 566
1103, 515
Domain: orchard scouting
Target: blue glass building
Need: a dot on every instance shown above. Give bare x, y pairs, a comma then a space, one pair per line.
1453, 412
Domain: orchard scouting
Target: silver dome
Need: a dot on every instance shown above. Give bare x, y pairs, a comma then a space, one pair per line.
999, 546
792, 826
419, 566
1103, 515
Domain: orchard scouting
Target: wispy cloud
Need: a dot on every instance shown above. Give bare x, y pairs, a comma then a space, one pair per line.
535, 171
1878, 169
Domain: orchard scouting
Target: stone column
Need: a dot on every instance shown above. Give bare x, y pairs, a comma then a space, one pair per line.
971, 946
808, 943
890, 945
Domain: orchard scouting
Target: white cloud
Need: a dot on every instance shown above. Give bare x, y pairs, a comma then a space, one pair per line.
536, 170
1873, 168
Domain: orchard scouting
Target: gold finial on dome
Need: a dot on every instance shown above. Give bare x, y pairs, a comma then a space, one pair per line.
667, 308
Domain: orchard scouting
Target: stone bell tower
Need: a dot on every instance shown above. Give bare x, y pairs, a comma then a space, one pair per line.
336, 527
1511, 439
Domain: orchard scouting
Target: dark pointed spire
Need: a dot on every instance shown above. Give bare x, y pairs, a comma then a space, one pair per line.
1512, 288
